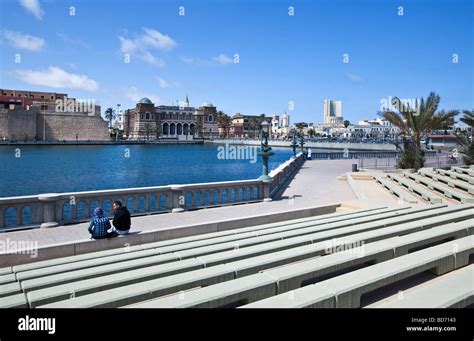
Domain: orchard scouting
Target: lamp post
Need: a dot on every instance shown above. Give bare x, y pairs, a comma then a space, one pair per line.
265, 151
301, 142
294, 145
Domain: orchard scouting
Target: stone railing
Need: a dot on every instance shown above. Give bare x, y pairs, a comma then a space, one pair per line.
283, 173
54, 209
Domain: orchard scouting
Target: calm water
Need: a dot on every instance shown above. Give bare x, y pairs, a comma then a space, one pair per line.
45, 169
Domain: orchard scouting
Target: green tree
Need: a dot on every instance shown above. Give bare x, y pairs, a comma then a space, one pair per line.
299, 126
466, 141
253, 123
199, 128
347, 123
109, 115
414, 123
157, 132
224, 122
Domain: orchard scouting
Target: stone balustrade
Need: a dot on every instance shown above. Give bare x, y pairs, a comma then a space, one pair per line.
54, 209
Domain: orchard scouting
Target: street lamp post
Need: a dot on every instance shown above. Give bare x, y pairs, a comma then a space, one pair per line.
302, 142
294, 145
265, 151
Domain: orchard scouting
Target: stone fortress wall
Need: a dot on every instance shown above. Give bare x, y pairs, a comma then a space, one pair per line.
26, 115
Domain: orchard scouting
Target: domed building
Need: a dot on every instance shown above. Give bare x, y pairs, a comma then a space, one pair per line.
181, 122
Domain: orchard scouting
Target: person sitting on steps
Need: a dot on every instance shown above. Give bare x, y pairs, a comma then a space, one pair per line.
99, 225
121, 222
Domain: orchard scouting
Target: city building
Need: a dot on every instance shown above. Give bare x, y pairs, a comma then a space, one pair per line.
247, 125
182, 122
332, 113
120, 118
49, 116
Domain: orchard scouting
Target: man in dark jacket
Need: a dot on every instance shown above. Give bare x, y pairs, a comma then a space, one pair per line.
121, 220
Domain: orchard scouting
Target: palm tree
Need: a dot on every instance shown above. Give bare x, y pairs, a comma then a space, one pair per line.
224, 121
467, 146
199, 128
109, 115
299, 126
254, 124
468, 119
414, 124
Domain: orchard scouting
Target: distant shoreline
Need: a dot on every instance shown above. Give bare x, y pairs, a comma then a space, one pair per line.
89, 143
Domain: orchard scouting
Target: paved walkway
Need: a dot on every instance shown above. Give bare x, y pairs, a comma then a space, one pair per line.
316, 184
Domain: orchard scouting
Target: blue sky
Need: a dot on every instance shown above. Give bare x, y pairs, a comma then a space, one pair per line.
282, 58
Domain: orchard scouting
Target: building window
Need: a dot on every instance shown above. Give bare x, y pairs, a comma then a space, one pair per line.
152, 117
52, 97
147, 116
141, 116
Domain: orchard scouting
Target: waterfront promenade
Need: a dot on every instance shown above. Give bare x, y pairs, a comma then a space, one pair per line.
315, 189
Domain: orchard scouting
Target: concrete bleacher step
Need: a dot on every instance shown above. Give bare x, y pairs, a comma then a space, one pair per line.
416, 188
322, 219
142, 291
200, 247
393, 188
63, 284
81, 286
436, 186
14, 301
457, 176
345, 291
453, 290
291, 276
240, 268
469, 171
447, 180
9, 289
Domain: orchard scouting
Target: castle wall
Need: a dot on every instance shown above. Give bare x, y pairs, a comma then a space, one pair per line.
17, 124
65, 126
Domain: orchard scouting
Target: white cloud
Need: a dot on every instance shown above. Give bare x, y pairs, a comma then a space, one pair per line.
56, 77
165, 84
127, 45
23, 41
155, 39
355, 78
220, 59
140, 45
34, 7
223, 59
134, 95
150, 59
